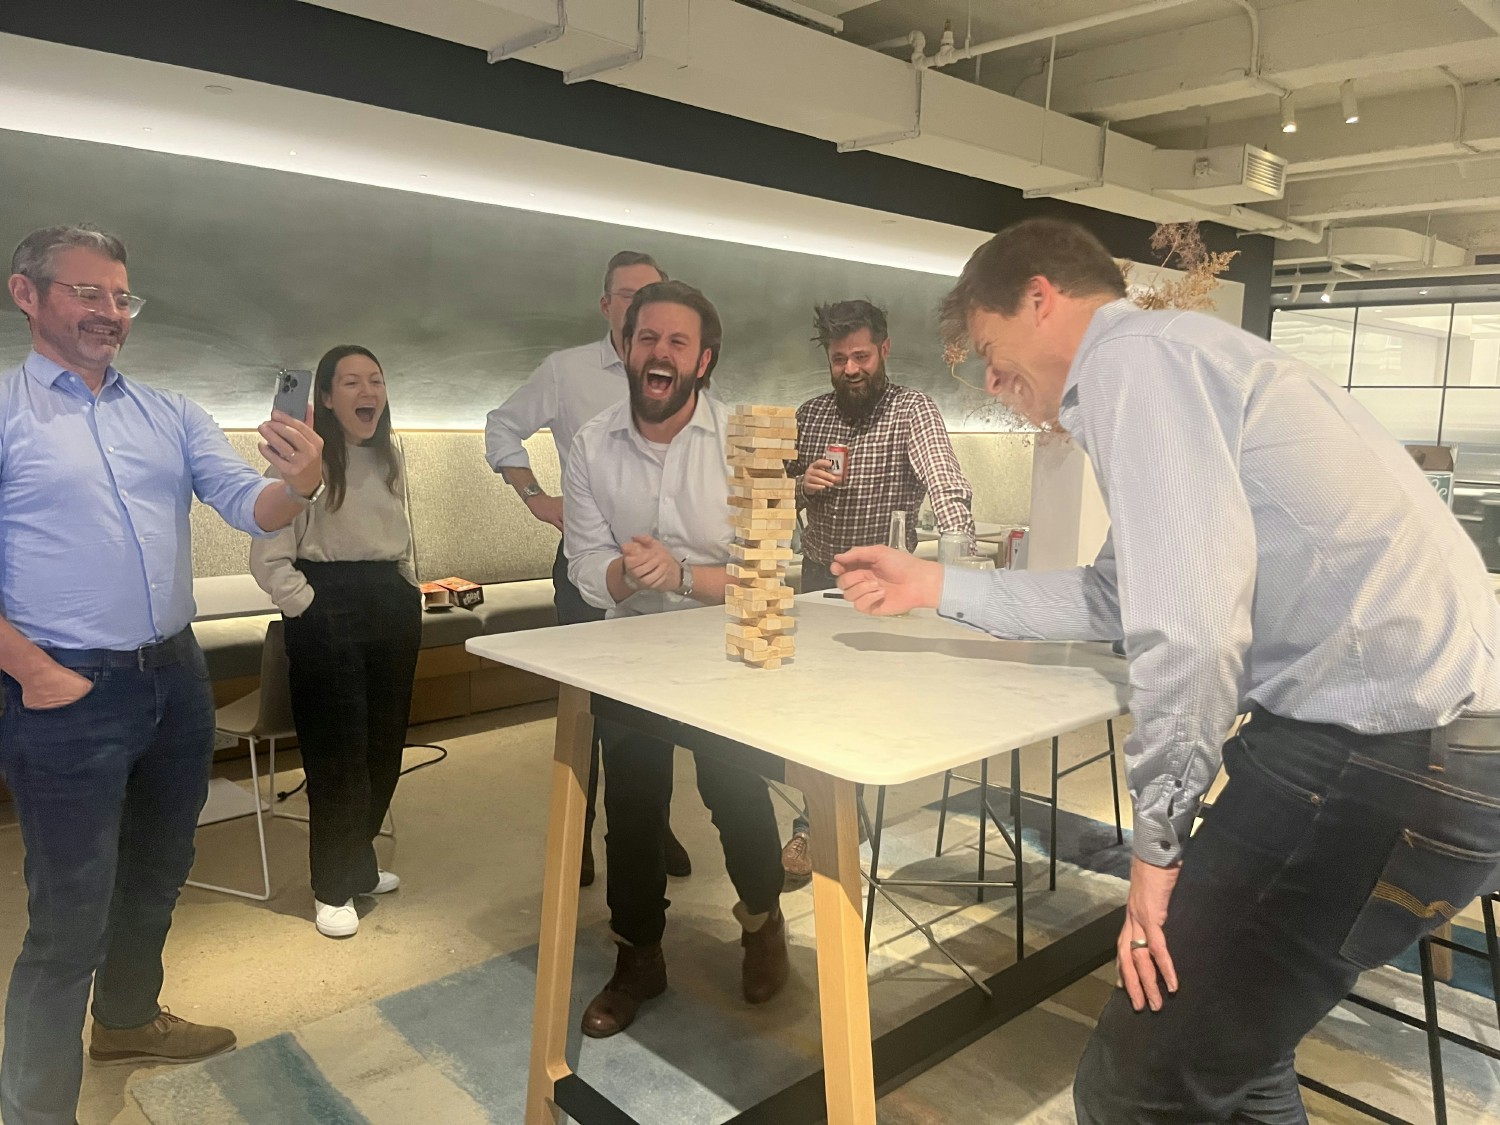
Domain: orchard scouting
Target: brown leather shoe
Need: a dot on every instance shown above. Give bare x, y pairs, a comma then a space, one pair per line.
166, 1039
586, 867
796, 858
766, 966
640, 975
679, 866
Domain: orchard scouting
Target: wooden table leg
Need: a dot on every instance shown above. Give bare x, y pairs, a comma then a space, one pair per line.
554, 971
843, 979
1442, 956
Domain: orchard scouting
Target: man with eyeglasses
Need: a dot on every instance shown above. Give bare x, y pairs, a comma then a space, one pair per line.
570, 388
107, 732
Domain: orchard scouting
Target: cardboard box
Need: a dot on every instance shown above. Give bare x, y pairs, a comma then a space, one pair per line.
448, 592
1432, 458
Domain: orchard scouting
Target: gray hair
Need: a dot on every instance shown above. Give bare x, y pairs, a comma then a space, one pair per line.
37, 254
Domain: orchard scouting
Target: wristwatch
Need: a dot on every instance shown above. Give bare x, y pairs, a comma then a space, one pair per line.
686, 589
532, 489
313, 499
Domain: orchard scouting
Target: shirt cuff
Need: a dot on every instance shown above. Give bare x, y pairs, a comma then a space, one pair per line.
964, 594
516, 460
1156, 840
295, 604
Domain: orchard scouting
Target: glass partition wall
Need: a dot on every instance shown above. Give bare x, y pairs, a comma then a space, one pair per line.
1431, 374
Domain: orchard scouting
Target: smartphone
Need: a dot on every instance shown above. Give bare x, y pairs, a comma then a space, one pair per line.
292, 390
834, 594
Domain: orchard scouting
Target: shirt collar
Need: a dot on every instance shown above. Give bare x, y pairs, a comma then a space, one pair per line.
609, 358
1103, 320
702, 418
47, 373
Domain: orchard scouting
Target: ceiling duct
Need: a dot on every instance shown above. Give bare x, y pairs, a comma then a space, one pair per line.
1220, 176
1374, 250
730, 58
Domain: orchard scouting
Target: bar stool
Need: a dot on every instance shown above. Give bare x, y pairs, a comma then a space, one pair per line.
1051, 802
1431, 1024
879, 883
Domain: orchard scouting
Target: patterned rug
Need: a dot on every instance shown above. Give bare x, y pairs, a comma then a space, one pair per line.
454, 1051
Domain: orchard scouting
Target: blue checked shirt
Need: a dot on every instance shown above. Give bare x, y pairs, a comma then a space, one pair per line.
1270, 545
94, 500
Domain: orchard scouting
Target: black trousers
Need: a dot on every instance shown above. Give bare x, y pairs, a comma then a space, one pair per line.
636, 801
352, 656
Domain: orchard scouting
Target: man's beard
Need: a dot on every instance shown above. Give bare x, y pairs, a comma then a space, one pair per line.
654, 410
857, 404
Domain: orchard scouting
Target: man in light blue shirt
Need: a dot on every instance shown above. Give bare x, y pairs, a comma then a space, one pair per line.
108, 727
1272, 551
569, 388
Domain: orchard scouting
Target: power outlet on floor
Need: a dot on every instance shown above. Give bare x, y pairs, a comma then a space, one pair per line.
224, 741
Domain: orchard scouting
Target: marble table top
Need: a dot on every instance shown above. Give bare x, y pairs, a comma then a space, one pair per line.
874, 700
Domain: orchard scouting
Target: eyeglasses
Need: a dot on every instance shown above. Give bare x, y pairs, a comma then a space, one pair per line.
94, 297
623, 294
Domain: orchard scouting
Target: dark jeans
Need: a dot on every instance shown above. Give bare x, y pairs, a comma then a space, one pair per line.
636, 801
108, 790
351, 657
1327, 853
573, 610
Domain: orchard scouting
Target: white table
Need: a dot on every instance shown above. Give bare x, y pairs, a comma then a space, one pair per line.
867, 700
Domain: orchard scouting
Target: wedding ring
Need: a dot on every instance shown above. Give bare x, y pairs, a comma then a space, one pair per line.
1140, 943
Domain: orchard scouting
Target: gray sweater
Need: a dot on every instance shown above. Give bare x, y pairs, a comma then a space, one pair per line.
370, 526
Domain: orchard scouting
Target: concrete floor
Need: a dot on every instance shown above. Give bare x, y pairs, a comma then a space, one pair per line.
470, 835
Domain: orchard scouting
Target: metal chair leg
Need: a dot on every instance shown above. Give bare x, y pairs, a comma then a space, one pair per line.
1052, 837
1114, 781
1434, 1034
1015, 809
984, 797
943, 812
260, 831
874, 864
1492, 943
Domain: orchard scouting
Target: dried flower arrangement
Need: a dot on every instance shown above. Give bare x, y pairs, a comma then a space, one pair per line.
1183, 250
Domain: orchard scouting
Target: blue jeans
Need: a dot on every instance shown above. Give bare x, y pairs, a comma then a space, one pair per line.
108, 790
1326, 854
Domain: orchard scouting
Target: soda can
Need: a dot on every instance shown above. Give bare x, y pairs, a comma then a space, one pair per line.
838, 455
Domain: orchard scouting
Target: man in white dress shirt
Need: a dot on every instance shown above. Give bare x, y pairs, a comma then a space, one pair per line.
647, 531
564, 392
1272, 550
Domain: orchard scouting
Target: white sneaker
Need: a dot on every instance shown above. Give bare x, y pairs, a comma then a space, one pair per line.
337, 921
388, 882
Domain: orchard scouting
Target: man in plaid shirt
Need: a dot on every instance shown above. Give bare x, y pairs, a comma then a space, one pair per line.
899, 453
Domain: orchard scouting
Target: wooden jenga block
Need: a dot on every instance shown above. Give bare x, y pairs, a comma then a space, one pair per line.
743, 554
764, 487
753, 466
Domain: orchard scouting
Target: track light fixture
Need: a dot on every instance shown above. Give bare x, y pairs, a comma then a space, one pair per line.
1288, 114
1327, 295
1346, 100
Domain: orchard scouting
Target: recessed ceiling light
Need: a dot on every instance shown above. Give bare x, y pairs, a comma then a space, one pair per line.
146, 129
1421, 292
219, 90
421, 175
292, 153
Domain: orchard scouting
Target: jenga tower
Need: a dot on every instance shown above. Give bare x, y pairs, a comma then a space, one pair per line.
763, 512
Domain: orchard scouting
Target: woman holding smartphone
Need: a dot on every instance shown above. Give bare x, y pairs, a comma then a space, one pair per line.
343, 579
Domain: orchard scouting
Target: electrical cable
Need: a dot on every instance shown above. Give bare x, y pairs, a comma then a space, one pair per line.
441, 751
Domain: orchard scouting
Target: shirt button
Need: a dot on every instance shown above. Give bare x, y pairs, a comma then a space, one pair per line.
124, 495
111, 448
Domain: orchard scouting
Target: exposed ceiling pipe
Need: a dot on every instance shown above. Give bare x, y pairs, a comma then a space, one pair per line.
1252, 71
1466, 155
1293, 281
1460, 110
949, 54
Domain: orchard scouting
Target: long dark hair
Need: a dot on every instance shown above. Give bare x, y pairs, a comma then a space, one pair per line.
335, 448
